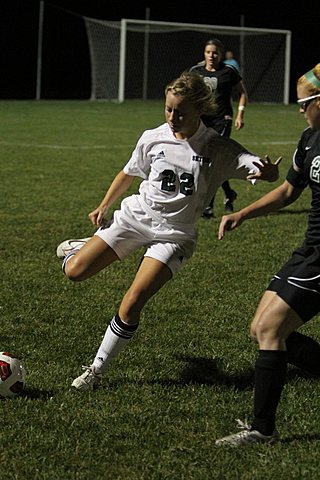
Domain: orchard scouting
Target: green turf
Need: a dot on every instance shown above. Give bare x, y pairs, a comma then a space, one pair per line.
187, 374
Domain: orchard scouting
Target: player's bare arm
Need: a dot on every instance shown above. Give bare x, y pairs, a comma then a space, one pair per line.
120, 184
243, 100
278, 198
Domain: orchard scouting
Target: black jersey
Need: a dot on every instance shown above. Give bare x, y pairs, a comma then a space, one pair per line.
222, 81
306, 172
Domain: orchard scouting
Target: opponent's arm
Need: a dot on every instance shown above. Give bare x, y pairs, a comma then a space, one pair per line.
278, 198
120, 184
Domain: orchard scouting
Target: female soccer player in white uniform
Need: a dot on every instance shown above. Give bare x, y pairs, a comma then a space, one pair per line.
182, 163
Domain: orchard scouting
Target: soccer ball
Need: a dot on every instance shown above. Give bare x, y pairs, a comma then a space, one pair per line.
12, 375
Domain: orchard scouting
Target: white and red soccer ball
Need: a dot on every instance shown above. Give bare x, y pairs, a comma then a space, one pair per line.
12, 375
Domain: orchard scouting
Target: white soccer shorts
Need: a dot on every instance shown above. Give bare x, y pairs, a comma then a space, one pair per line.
133, 228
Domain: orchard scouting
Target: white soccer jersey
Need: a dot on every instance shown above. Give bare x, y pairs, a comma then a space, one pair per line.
181, 176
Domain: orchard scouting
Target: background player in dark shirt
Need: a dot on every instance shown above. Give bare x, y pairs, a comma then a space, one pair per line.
293, 295
225, 81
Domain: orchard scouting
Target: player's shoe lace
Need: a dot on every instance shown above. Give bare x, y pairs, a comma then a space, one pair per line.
247, 437
68, 246
88, 380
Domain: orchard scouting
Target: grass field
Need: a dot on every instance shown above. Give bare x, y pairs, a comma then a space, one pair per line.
188, 372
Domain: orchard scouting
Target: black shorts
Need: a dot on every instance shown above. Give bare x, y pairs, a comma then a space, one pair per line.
298, 282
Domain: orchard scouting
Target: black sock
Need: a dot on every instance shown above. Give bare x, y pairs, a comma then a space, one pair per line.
303, 352
270, 374
211, 202
227, 189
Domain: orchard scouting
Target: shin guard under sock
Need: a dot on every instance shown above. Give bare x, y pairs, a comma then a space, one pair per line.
270, 374
115, 339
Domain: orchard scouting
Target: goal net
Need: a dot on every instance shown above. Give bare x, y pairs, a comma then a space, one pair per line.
135, 59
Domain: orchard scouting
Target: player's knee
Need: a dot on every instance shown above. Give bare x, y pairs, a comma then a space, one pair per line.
74, 270
266, 330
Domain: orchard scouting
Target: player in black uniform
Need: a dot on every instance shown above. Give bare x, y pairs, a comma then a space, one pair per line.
293, 295
225, 81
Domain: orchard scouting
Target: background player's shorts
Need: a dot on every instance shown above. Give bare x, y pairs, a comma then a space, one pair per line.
133, 228
298, 282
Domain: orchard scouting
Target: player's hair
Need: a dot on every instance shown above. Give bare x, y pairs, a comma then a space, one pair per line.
193, 87
311, 81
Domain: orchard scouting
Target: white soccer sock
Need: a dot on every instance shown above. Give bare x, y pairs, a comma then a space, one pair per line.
115, 339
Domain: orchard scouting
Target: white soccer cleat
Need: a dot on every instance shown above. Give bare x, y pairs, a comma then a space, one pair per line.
70, 245
247, 437
88, 380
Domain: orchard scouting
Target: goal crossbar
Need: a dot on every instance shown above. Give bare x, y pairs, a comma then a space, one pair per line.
136, 58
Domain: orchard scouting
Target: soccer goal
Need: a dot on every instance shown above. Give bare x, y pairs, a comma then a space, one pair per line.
135, 59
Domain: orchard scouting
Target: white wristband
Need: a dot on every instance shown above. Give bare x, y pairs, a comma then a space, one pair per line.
241, 108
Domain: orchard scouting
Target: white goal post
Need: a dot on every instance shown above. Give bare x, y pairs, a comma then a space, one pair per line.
135, 59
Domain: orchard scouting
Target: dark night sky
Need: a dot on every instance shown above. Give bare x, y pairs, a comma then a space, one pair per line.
19, 32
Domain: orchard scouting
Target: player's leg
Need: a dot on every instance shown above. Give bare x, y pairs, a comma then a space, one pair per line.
230, 196
302, 351
208, 212
272, 327
114, 240
151, 276
92, 257
265, 300
291, 300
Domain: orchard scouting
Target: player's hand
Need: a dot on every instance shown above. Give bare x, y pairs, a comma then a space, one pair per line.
97, 216
239, 123
267, 170
229, 222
